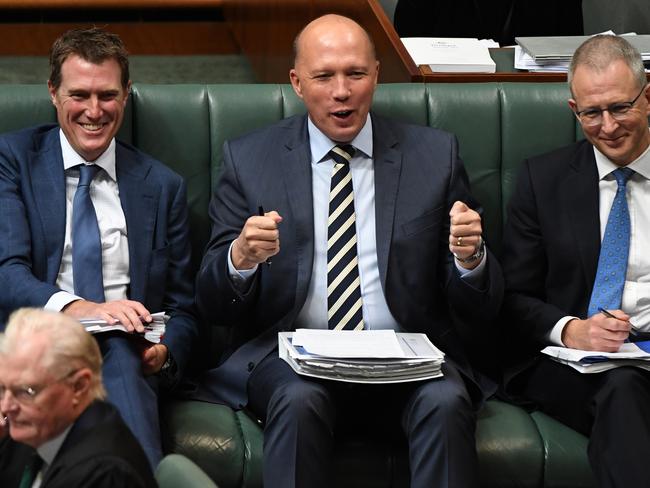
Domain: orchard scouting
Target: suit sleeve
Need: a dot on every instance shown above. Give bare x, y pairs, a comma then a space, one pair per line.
20, 287
525, 265
218, 299
469, 301
182, 329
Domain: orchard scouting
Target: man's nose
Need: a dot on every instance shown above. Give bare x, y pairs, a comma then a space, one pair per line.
93, 108
609, 124
341, 88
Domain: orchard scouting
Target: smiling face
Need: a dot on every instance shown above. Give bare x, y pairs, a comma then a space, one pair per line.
622, 141
90, 104
335, 75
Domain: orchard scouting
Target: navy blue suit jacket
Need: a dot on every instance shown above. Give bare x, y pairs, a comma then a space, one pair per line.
418, 176
32, 230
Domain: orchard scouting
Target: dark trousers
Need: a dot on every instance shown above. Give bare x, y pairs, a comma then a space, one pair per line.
612, 408
301, 414
134, 396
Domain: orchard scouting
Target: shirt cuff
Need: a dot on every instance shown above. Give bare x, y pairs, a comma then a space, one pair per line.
59, 300
240, 277
555, 336
473, 276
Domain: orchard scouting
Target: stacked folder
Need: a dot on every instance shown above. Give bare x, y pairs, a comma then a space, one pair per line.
373, 356
555, 53
630, 354
153, 331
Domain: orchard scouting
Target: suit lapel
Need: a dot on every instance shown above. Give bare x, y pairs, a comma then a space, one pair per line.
580, 190
139, 202
388, 165
296, 169
48, 183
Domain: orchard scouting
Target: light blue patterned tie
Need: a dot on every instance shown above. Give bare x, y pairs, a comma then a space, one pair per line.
612, 263
86, 241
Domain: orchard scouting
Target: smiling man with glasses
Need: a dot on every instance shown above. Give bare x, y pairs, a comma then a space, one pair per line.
576, 263
55, 428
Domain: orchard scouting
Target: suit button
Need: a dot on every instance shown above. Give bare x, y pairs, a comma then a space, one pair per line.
251, 366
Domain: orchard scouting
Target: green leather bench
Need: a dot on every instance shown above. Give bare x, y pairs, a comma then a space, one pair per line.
497, 126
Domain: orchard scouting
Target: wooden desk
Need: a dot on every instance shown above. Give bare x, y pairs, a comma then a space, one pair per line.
265, 29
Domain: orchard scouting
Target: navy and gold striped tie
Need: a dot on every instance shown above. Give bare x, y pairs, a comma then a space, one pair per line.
344, 309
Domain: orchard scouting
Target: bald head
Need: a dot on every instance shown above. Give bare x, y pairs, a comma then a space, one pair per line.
334, 25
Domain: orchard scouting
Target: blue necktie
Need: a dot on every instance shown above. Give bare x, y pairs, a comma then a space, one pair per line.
612, 263
344, 309
86, 241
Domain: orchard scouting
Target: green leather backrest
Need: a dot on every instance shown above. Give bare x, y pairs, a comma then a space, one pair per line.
185, 126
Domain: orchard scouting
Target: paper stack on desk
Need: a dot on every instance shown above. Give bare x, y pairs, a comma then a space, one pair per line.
367, 356
153, 331
451, 55
630, 354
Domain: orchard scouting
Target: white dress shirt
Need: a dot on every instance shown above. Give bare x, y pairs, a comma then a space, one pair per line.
105, 196
48, 451
376, 314
636, 292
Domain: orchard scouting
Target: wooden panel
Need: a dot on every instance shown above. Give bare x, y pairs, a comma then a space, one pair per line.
107, 4
265, 30
153, 38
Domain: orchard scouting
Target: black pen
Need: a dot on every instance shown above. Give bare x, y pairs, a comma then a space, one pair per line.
607, 313
260, 212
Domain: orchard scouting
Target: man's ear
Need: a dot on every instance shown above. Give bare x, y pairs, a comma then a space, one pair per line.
128, 92
572, 104
81, 382
295, 82
52, 92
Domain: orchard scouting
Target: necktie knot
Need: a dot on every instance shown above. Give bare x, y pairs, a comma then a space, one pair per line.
342, 154
622, 175
86, 173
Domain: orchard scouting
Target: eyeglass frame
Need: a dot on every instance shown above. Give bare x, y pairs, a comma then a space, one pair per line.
26, 394
598, 112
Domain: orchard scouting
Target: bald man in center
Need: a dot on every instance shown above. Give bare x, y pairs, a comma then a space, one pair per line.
407, 254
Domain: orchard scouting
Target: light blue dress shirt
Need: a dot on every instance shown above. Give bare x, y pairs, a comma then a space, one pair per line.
376, 314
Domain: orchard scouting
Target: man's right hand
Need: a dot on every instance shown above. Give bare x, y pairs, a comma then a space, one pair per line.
128, 312
598, 332
258, 241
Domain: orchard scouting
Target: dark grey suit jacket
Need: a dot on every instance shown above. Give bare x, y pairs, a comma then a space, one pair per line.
551, 244
418, 177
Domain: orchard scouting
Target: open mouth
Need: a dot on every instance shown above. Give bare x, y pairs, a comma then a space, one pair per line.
92, 127
342, 114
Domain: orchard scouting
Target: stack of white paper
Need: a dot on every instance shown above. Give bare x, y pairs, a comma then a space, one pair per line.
630, 354
372, 356
153, 331
451, 55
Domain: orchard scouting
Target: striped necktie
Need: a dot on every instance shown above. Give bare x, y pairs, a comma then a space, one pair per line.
344, 309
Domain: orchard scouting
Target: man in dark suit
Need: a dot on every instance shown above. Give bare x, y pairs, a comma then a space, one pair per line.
61, 431
115, 249
403, 182
557, 247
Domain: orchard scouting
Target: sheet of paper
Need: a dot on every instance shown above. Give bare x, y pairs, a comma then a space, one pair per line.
349, 343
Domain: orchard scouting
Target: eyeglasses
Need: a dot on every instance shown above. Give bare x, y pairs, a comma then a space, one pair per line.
619, 111
26, 394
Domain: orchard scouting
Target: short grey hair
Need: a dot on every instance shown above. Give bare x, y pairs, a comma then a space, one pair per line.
600, 51
70, 346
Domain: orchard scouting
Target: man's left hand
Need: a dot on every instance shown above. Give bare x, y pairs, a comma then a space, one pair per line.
464, 233
153, 359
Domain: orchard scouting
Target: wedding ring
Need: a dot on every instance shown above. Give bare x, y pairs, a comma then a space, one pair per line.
459, 241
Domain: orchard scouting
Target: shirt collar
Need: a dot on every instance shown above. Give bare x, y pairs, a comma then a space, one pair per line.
320, 144
72, 158
49, 449
640, 165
